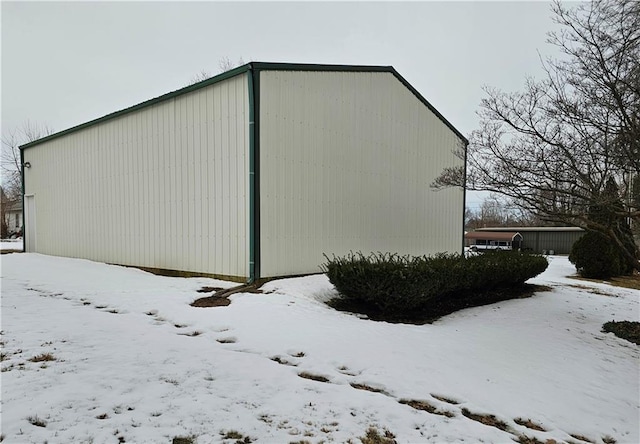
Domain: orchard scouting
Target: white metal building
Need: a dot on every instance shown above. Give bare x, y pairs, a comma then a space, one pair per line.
253, 173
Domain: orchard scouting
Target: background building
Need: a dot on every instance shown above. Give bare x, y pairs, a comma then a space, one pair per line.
543, 239
10, 216
256, 172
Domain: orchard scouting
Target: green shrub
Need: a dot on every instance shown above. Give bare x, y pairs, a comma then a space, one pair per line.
390, 282
595, 257
398, 285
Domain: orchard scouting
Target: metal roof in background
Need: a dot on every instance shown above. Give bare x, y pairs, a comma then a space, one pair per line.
495, 235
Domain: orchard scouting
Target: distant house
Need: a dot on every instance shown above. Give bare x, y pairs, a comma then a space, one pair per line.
253, 173
540, 239
11, 215
13, 218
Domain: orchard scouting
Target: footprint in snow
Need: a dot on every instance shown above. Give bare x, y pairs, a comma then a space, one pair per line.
283, 361
446, 399
229, 340
347, 371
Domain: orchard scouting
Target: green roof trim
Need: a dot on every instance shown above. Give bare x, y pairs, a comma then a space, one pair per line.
255, 66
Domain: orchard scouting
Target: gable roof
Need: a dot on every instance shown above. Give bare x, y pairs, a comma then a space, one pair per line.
255, 67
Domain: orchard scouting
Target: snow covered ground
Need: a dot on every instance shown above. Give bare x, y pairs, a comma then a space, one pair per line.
11, 244
135, 363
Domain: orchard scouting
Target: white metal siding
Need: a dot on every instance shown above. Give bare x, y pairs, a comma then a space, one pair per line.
162, 187
346, 160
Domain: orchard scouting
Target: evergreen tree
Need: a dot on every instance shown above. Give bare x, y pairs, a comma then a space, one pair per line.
595, 255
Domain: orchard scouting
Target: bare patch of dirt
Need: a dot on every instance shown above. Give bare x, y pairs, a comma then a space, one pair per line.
367, 388
592, 290
485, 419
427, 407
313, 377
632, 281
221, 296
211, 301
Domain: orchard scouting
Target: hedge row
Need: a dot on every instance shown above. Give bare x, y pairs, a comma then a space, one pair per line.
398, 285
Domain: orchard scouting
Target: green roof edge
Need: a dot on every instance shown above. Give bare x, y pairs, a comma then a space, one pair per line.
258, 66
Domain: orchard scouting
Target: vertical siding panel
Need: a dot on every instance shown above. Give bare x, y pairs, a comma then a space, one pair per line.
209, 172
355, 152
189, 179
152, 236
165, 208
178, 212
200, 179
161, 187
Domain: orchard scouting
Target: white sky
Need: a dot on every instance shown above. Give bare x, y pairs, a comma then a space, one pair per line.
66, 63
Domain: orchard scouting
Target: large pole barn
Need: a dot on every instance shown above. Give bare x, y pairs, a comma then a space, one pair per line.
254, 173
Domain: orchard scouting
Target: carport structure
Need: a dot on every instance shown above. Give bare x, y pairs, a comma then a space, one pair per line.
505, 240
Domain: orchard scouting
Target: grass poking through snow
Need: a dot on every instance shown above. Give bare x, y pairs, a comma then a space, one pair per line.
372, 436
426, 407
367, 388
580, 437
234, 434
183, 440
43, 357
489, 420
529, 424
34, 420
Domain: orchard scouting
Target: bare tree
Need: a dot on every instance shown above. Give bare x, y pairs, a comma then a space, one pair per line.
554, 146
496, 211
10, 162
225, 64
11, 191
202, 75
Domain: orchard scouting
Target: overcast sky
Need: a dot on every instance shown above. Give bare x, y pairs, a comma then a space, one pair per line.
66, 63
